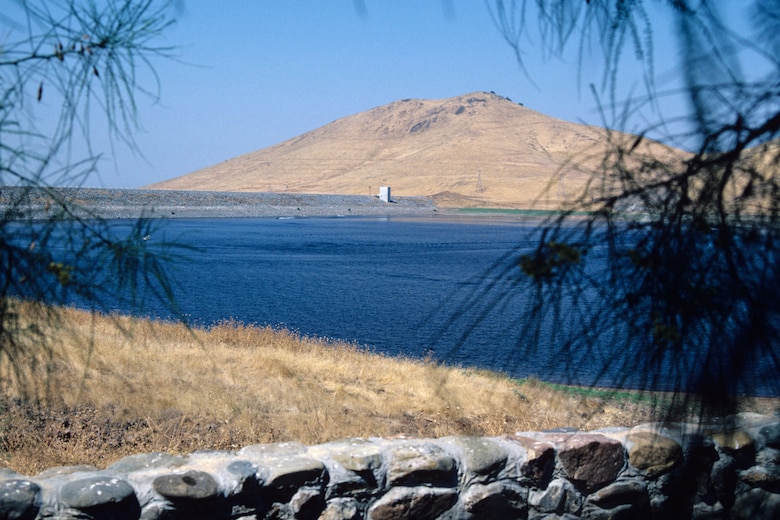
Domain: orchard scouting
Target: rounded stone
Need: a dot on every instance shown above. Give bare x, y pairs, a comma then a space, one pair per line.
341, 509
733, 442
560, 497
422, 463
480, 456
360, 460
145, 461
495, 500
19, 499
631, 492
652, 453
771, 434
414, 502
9, 474
242, 468
756, 503
192, 485
61, 471
95, 491
307, 503
296, 472
279, 449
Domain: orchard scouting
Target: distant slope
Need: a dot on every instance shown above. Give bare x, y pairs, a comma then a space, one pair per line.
478, 149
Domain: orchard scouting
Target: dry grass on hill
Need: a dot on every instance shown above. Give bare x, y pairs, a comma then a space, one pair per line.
120, 386
475, 150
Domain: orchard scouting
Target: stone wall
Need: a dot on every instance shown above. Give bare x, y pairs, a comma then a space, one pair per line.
651, 471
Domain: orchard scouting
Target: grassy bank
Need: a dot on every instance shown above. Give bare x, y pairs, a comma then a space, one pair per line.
118, 386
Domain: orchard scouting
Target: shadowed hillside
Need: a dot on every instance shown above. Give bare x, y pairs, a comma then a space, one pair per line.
478, 149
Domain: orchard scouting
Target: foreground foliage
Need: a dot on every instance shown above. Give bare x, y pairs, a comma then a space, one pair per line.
68, 72
672, 262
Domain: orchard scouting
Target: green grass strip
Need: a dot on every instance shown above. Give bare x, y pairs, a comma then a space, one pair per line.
605, 394
521, 212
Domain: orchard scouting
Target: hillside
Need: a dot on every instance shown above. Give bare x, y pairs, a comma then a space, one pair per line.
478, 149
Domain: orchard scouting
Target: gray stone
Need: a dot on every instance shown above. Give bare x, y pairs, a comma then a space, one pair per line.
612, 430
479, 455
770, 435
559, 497
663, 506
704, 511
307, 503
156, 511
620, 493
760, 476
625, 499
723, 480
495, 500
624, 512
592, 459
242, 468
552, 516
341, 509
8, 474
279, 449
421, 463
295, 472
768, 457
748, 420
19, 499
95, 491
343, 483
341, 446
357, 455
192, 485
145, 461
533, 475
277, 511
362, 461
60, 471
420, 503
756, 504
286, 476
651, 453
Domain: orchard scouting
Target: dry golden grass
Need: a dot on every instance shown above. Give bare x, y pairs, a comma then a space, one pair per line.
119, 386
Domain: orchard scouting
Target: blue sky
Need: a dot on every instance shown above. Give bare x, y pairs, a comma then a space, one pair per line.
251, 74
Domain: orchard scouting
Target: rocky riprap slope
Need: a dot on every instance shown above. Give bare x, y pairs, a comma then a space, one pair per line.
651, 471
133, 203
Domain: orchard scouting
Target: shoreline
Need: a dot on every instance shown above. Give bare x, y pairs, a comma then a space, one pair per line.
142, 203
17, 203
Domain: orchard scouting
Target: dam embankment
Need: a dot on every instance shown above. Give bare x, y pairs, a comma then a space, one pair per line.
136, 203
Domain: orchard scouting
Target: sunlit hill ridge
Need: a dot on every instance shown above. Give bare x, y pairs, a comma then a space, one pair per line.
478, 149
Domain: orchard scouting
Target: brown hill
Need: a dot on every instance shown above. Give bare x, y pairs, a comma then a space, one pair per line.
478, 149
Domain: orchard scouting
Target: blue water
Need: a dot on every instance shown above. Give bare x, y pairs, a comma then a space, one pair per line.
391, 284
430, 287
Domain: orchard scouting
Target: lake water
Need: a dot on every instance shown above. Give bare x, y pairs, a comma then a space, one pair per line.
392, 284
400, 286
